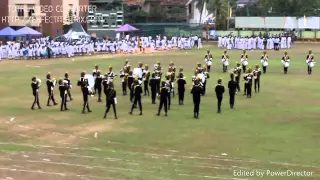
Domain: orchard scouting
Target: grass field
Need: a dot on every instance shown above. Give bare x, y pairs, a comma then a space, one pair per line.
276, 130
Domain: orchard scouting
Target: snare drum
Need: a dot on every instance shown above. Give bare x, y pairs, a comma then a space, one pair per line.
226, 63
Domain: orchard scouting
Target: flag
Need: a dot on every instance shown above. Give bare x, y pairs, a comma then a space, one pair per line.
284, 20
305, 20
248, 12
230, 12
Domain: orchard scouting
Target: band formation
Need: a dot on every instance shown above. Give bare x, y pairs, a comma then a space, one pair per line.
161, 86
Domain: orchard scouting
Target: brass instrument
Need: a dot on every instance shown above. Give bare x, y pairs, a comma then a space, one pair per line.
265, 57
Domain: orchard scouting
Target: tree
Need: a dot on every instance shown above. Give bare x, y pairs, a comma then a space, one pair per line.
200, 6
70, 18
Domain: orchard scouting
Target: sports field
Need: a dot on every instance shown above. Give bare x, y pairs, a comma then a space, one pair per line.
274, 131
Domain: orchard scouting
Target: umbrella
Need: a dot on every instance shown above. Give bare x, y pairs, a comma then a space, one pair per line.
126, 28
29, 31
8, 31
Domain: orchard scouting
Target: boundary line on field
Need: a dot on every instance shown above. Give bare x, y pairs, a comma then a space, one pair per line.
213, 157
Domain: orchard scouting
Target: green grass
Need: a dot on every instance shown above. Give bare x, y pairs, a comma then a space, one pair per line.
280, 124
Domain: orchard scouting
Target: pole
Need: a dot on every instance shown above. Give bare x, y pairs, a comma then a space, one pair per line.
122, 13
228, 20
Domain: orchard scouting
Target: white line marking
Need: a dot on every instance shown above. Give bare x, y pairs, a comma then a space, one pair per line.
221, 158
49, 173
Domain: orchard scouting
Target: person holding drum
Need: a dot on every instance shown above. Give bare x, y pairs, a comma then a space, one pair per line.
51, 83
264, 61
84, 84
225, 61
208, 60
36, 83
310, 61
286, 62
244, 60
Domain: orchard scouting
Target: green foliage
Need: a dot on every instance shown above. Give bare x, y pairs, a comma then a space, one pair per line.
139, 16
70, 18
297, 8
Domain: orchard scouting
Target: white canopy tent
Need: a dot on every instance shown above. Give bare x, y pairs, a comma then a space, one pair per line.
76, 32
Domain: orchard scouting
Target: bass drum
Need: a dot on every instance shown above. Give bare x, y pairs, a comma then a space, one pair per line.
245, 63
265, 63
137, 72
286, 64
311, 64
226, 63
90, 80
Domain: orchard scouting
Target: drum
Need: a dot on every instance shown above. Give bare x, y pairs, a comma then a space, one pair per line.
311, 64
226, 63
39, 82
201, 77
209, 63
286, 64
54, 83
245, 63
265, 63
137, 72
90, 81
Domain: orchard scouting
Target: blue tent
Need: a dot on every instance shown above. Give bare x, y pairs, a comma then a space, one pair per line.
8, 31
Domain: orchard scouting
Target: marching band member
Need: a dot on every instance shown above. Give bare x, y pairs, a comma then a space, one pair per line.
158, 75
98, 84
172, 66
94, 74
35, 85
163, 96
105, 87
232, 85
264, 61
145, 79
110, 74
130, 80
83, 83
111, 98
225, 61
137, 91
124, 78
310, 61
95, 70
173, 76
63, 87
199, 68
208, 60
153, 85
244, 60
219, 94
127, 65
286, 62
196, 91
66, 77
181, 88
50, 85
180, 72
169, 87
256, 75
248, 83
206, 76
237, 73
